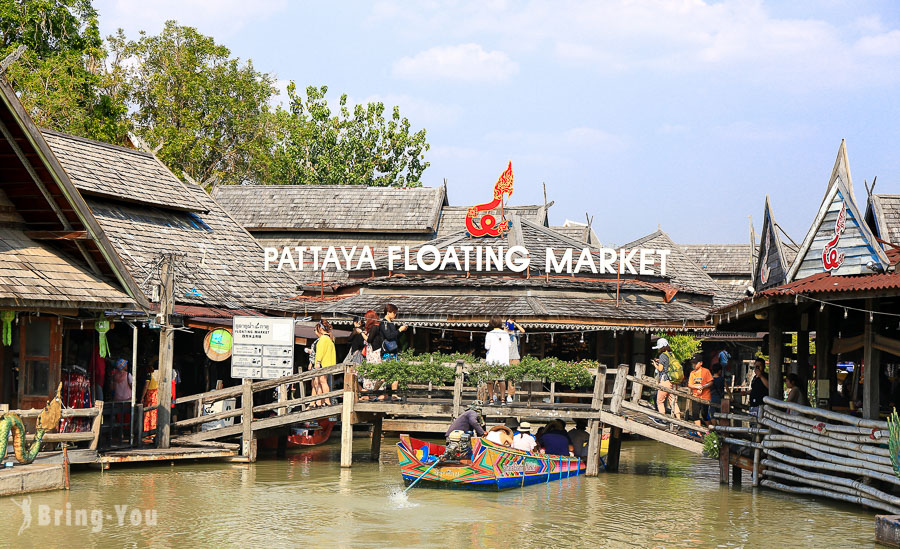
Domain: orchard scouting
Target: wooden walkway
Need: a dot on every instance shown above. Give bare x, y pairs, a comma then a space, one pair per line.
427, 408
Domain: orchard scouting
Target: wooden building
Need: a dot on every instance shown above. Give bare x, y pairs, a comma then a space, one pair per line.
842, 280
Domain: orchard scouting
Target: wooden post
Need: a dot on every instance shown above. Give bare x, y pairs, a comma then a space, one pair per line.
823, 364
723, 450
134, 377
871, 365
636, 388
347, 419
166, 340
803, 368
246, 419
595, 433
615, 405
615, 448
95, 428
457, 389
139, 426
552, 392
776, 355
377, 421
757, 452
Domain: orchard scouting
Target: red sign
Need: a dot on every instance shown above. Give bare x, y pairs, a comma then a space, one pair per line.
488, 225
831, 258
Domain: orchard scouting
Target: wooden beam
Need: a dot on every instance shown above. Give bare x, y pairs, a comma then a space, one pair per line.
377, 425
247, 418
166, 345
594, 432
871, 364
349, 400
776, 355
823, 362
58, 235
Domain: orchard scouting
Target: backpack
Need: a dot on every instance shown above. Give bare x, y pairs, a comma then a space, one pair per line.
674, 371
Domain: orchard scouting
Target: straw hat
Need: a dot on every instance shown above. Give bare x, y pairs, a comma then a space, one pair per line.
524, 427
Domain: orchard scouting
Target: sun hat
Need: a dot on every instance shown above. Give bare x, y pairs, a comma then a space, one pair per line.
660, 343
525, 427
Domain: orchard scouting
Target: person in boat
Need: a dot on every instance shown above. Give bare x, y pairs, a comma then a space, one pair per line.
579, 437
496, 343
523, 439
470, 421
503, 434
325, 357
555, 441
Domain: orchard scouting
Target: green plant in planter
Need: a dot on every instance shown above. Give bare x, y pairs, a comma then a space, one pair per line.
712, 443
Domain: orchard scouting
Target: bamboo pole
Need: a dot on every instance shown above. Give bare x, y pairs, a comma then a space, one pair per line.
833, 495
828, 414
739, 430
859, 466
736, 417
839, 466
832, 445
785, 422
831, 479
741, 442
872, 434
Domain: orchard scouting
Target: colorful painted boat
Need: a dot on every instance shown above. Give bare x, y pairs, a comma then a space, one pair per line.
307, 434
492, 467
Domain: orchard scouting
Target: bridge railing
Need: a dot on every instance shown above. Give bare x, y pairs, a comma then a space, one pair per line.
95, 414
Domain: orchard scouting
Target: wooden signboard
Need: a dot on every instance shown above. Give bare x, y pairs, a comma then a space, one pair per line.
263, 347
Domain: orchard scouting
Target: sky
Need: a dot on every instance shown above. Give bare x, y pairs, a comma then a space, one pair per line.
679, 114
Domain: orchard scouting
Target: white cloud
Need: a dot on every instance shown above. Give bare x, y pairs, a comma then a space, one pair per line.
420, 112
886, 44
218, 18
466, 62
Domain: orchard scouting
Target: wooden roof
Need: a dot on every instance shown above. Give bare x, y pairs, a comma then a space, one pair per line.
680, 268
106, 170
720, 259
214, 255
580, 232
333, 207
883, 215
37, 275
47, 204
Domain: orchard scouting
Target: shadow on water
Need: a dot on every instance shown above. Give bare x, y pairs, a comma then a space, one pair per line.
662, 497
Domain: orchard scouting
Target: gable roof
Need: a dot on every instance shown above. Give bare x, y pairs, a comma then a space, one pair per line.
49, 203
105, 170
771, 266
453, 218
333, 207
680, 268
883, 216
838, 215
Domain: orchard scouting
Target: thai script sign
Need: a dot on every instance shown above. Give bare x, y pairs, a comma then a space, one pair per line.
263, 347
831, 258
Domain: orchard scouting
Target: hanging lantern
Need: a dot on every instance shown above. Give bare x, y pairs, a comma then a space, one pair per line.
102, 326
7, 317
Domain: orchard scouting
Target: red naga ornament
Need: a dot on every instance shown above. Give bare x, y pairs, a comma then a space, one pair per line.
488, 223
831, 258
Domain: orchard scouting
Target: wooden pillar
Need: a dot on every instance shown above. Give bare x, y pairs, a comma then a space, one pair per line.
637, 388
776, 355
134, 381
377, 422
247, 419
724, 457
615, 406
823, 358
871, 365
166, 341
803, 367
615, 449
595, 432
457, 389
347, 418
757, 452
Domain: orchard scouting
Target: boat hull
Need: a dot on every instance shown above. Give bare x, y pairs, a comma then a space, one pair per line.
492, 467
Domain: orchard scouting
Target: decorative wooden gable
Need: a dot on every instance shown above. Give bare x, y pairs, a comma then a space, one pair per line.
770, 268
839, 240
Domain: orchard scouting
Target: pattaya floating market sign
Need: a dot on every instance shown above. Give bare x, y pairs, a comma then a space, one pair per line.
472, 258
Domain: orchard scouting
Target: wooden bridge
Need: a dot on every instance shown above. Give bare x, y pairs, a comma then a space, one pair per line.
268, 409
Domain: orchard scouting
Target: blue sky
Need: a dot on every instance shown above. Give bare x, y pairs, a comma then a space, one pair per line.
682, 114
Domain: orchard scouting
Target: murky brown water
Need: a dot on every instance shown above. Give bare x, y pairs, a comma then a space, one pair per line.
662, 497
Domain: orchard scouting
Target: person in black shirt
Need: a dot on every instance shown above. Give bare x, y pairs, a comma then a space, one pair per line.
759, 387
390, 333
357, 344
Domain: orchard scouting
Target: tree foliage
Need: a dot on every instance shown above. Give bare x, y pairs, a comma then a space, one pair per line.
308, 144
683, 346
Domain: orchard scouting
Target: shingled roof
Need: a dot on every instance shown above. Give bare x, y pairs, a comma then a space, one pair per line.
101, 169
721, 259
333, 207
883, 215
682, 270
578, 231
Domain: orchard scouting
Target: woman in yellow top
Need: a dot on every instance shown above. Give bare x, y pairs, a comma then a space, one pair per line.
325, 356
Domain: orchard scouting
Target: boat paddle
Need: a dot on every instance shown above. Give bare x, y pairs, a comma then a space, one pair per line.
422, 475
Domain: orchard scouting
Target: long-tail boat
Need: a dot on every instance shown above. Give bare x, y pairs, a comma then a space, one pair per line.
489, 467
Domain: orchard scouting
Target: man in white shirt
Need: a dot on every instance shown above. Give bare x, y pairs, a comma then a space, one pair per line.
523, 439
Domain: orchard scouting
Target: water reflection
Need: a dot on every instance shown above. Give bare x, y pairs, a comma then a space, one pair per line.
661, 498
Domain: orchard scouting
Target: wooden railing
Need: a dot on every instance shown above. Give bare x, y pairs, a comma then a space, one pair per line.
92, 436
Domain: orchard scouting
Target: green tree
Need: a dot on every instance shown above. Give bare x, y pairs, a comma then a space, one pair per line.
308, 144
683, 346
202, 110
62, 79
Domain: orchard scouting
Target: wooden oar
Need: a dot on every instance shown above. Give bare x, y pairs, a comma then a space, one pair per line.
422, 475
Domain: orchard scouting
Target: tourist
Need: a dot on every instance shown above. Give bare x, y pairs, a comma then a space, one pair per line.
579, 437
700, 382
666, 358
122, 381
496, 342
759, 387
795, 390
357, 344
470, 421
372, 335
717, 390
390, 334
523, 439
325, 357
555, 440
503, 434
514, 330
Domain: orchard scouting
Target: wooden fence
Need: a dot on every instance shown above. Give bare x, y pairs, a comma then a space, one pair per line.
92, 436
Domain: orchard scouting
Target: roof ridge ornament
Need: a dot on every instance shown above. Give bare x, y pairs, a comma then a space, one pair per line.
488, 223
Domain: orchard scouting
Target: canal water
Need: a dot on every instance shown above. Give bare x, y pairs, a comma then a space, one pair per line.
662, 497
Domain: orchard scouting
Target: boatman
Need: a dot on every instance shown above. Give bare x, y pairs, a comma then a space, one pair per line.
470, 421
